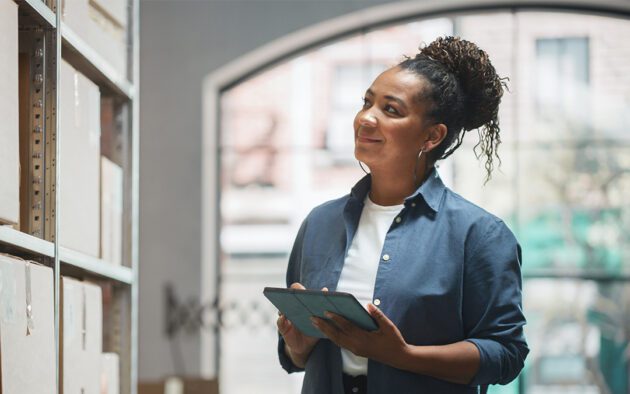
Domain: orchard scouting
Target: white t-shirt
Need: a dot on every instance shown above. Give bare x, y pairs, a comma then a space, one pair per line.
358, 275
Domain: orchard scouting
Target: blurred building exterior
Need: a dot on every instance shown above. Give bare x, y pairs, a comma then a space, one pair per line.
286, 145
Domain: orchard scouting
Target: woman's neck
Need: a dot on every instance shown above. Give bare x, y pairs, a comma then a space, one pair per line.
387, 189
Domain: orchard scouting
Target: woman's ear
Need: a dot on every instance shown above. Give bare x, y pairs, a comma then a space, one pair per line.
435, 135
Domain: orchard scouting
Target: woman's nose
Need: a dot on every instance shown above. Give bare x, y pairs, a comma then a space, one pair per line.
368, 119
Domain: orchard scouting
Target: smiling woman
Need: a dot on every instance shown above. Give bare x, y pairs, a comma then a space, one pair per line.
440, 275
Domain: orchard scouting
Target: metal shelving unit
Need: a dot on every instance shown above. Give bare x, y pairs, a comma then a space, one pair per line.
46, 39
79, 54
38, 10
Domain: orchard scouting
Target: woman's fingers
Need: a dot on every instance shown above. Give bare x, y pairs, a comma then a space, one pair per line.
297, 285
381, 319
378, 315
283, 325
326, 328
341, 322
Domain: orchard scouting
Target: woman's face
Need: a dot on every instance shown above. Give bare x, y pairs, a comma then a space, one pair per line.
389, 130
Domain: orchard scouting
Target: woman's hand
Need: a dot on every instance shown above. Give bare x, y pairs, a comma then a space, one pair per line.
298, 346
385, 345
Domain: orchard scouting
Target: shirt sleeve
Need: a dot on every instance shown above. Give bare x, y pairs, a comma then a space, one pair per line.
293, 275
493, 315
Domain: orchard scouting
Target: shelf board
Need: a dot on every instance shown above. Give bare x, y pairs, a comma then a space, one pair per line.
94, 266
26, 242
39, 11
71, 259
86, 60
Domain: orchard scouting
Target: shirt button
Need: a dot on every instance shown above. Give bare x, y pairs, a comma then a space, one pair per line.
377, 302
413, 204
398, 219
386, 257
355, 389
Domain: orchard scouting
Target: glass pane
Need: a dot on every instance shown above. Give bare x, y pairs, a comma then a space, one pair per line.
562, 185
579, 340
572, 214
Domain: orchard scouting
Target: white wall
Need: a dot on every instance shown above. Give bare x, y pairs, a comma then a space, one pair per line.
181, 41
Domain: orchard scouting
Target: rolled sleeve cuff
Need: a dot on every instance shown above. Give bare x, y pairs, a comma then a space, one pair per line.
489, 362
285, 360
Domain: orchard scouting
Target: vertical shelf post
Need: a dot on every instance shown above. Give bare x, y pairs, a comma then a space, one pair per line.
54, 111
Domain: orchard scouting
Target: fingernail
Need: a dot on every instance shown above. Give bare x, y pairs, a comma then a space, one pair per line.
328, 314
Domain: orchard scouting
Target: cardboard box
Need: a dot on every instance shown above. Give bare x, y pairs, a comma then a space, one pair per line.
81, 337
98, 23
27, 336
79, 163
9, 113
110, 373
111, 211
114, 10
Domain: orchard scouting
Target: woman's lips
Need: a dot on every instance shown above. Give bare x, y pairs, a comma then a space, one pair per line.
368, 139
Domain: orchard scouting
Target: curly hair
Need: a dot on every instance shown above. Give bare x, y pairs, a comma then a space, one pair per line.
464, 92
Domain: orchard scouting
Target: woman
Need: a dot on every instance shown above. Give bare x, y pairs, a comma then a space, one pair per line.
440, 275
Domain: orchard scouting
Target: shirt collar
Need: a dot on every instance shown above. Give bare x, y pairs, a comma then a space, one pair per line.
430, 191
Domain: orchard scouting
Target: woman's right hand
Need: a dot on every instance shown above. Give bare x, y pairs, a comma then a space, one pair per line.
298, 346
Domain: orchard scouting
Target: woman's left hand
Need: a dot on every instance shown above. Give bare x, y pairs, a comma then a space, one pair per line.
385, 345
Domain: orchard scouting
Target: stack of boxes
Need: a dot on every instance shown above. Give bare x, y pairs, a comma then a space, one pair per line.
27, 339
90, 195
91, 185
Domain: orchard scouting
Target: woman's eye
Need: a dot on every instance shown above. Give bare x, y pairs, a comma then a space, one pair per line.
366, 102
391, 110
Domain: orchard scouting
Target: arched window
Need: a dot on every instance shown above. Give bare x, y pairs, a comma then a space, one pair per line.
285, 144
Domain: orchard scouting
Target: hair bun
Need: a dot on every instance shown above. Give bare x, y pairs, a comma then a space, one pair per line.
477, 77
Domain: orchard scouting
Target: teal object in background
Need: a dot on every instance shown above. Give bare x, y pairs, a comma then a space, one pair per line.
511, 388
614, 364
570, 239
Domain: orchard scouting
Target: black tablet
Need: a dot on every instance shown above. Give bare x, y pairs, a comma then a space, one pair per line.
299, 305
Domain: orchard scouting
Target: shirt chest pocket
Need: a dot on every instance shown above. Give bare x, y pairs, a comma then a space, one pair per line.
315, 271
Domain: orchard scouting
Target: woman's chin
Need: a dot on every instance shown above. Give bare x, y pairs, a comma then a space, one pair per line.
363, 155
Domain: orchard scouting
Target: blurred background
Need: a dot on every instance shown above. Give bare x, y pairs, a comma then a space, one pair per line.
246, 124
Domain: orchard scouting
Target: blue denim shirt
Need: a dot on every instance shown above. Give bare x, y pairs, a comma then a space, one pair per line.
453, 274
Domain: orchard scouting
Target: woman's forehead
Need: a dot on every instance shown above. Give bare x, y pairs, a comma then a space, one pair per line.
397, 81
403, 84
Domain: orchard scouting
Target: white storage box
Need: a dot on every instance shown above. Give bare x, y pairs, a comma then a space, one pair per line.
81, 337
114, 10
27, 337
110, 373
9, 114
79, 163
102, 24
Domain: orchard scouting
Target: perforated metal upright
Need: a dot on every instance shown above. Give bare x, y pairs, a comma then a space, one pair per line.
45, 39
